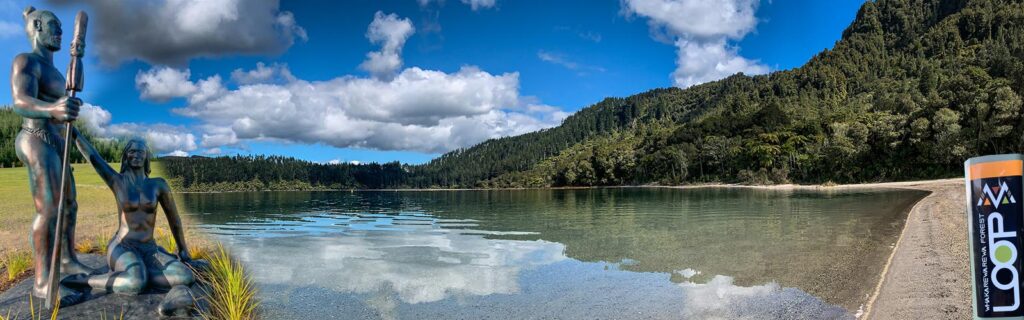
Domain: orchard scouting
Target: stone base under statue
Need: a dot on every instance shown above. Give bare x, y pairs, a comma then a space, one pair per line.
143, 306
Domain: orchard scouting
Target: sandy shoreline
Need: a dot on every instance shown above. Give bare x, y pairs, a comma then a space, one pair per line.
927, 275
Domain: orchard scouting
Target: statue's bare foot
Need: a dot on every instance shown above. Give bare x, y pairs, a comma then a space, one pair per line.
76, 281
39, 292
68, 296
76, 267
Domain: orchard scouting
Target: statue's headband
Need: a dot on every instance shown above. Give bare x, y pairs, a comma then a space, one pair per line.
31, 13
28, 12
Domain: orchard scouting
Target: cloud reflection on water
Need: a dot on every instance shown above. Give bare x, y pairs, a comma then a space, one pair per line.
721, 299
420, 262
402, 266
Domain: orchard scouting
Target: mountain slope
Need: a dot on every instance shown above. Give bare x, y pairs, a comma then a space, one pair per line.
912, 89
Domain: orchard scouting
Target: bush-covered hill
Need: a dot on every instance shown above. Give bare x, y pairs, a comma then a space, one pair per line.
912, 89
10, 125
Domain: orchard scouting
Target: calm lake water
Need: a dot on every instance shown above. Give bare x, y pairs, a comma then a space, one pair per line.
580, 254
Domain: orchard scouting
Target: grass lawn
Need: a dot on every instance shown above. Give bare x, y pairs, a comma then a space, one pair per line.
97, 211
232, 293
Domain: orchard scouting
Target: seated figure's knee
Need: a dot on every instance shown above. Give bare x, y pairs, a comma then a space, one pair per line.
132, 282
179, 274
185, 278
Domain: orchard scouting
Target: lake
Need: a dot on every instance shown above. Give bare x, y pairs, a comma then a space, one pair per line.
610, 253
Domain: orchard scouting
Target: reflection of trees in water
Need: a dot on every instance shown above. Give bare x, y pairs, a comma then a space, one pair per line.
832, 248
829, 244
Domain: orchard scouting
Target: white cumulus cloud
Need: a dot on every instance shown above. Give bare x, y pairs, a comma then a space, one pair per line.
163, 83
701, 62
390, 32
473, 4
701, 31
262, 74
480, 4
414, 110
420, 110
162, 138
171, 32
212, 151
214, 136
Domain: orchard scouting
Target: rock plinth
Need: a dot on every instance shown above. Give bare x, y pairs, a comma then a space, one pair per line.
177, 303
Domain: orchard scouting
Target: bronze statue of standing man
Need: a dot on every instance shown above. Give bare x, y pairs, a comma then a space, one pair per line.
38, 91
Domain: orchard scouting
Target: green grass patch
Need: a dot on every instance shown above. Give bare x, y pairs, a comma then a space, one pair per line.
165, 240
16, 263
96, 244
230, 290
198, 250
53, 315
32, 311
103, 316
97, 208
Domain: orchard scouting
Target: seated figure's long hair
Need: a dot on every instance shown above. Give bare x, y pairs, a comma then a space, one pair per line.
124, 155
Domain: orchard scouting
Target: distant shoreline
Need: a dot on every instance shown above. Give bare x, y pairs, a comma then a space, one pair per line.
899, 184
916, 185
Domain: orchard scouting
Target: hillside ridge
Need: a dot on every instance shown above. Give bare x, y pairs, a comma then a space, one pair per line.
911, 89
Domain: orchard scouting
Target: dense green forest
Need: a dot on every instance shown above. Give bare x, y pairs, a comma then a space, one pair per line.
10, 125
912, 89
254, 173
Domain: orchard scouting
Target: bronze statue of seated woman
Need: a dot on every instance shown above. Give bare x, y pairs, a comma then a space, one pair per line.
136, 261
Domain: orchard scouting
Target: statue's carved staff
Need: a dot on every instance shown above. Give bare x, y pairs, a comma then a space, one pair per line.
74, 85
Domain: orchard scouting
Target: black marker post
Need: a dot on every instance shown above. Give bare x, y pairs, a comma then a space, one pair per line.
994, 219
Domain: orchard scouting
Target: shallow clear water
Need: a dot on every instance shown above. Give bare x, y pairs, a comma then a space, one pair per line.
588, 253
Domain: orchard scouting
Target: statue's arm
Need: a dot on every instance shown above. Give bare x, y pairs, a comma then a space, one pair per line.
102, 167
173, 219
25, 75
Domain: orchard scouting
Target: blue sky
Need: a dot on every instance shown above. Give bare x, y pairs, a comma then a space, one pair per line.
405, 80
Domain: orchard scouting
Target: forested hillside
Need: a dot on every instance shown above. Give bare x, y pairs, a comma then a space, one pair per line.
10, 125
255, 173
912, 89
